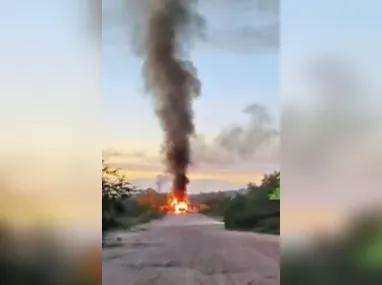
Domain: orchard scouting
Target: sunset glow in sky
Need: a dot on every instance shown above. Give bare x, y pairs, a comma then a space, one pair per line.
52, 103
232, 79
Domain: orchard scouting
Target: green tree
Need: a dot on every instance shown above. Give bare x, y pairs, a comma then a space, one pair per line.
271, 181
255, 211
115, 189
274, 181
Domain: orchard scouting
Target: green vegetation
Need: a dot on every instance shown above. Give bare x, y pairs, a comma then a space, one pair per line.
275, 195
257, 209
354, 257
123, 206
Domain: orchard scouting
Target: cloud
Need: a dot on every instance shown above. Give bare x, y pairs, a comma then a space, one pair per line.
249, 39
112, 153
252, 146
256, 30
255, 142
249, 26
132, 160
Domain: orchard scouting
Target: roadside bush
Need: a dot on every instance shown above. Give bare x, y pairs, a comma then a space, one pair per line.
150, 215
115, 190
120, 209
256, 208
255, 211
216, 207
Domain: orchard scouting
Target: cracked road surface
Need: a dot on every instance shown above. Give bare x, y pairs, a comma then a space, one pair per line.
190, 249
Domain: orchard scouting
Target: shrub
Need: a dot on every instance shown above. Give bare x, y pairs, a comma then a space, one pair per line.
115, 190
119, 208
255, 211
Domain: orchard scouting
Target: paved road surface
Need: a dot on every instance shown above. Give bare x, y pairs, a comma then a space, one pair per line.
191, 250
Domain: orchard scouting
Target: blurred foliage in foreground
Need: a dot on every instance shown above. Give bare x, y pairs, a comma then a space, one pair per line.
251, 210
46, 256
352, 257
123, 206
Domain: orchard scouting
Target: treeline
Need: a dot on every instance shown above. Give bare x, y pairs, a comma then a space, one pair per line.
249, 210
123, 205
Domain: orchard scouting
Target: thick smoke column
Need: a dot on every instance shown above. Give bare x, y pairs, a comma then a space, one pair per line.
171, 80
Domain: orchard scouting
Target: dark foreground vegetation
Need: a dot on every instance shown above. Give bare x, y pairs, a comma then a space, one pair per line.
354, 257
250, 209
124, 206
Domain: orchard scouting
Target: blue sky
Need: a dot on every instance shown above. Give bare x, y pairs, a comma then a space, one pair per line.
230, 81
311, 30
50, 94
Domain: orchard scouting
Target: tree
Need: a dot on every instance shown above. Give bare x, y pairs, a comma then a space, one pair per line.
114, 185
274, 181
271, 181
255, 211
275, 195
115, 189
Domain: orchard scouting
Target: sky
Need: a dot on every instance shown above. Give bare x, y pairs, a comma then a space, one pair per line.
338, 179
44, 65
236, 72
232, 79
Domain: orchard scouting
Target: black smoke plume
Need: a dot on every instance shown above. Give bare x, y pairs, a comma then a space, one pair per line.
171, 79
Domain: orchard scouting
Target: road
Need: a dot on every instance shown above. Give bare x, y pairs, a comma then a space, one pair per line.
190, 249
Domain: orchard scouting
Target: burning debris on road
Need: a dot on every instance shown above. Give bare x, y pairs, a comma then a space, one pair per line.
179, 205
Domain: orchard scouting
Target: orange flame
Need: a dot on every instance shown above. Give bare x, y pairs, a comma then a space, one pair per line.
178, 206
